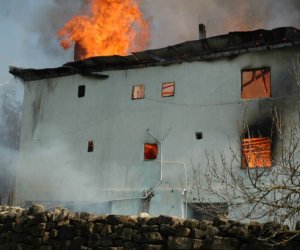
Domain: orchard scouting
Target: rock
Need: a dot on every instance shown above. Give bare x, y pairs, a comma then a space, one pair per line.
152, 247
66, 233
182, 231
149, 228
219, 221
35, 209
180, 243
197, 233
144, 215
211, 231
220, 243
126, 234
167, 230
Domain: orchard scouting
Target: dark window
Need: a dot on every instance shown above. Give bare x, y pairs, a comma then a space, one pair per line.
199, 135
207, 211
256, 83
90, 146
138, 92
81, 91
150, 151
168, 89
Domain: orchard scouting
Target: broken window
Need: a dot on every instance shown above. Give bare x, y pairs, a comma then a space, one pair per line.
150, 151
81, 91
90, 146
256, 83
256, 152
168, 89
207, 211
138, 92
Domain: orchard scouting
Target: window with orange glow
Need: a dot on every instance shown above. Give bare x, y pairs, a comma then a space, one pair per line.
138, 92
256, 152
168, 89
256, 83
150, 151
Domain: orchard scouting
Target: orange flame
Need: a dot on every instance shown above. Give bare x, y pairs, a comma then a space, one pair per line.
114, 27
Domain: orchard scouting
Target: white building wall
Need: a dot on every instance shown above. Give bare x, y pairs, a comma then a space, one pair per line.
54, 163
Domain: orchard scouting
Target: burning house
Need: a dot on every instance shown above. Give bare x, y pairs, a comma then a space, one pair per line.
119, 134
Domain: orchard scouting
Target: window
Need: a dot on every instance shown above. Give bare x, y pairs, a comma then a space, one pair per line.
90, 146
207, 211
256, 83
199, 135
81, 91
138, 92
150, 151
168, 89
256, 152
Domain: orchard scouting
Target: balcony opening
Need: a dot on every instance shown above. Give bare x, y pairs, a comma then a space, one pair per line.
256, 83
207, 211
150, 151
257, 146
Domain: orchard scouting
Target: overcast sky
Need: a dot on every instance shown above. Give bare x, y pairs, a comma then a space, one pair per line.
28, 27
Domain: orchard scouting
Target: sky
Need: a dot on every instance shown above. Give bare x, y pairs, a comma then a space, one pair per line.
28, 27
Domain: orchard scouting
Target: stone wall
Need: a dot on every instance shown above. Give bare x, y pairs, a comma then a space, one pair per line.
58, 228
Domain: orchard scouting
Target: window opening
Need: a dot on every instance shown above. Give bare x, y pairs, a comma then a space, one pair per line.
138, 92
207, 211
168, 89
150, 151
90, 146
81, 91
256, 83
199, 135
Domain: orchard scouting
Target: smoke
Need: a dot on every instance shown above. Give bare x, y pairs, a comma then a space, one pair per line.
29, 39
175, 21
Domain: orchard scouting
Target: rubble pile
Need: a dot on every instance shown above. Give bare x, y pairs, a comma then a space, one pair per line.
59, 228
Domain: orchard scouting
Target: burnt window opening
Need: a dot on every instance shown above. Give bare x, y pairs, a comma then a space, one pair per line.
207, 211
150, 151
81, 91
90, 146
199, 135
256, 83
168, 89
257, 146
138, 92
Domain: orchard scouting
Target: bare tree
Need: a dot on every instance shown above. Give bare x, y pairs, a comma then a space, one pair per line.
251, 180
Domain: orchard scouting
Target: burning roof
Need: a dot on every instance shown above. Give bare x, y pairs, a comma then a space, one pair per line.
227, 45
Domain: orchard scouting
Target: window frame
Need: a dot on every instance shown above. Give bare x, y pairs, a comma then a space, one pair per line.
133, 92
266, 68
81, 91
173, 84
156, 151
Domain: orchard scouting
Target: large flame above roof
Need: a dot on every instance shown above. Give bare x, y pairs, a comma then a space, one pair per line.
114, 27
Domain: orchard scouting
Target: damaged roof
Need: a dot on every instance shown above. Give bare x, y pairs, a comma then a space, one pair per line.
233, 43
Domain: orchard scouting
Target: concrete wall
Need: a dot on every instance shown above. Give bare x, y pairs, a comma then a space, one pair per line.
55, 167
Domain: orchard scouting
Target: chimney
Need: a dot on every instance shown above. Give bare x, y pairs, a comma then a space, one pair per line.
202, 31
79, 52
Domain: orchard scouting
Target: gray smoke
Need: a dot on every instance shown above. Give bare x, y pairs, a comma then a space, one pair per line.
28, 39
